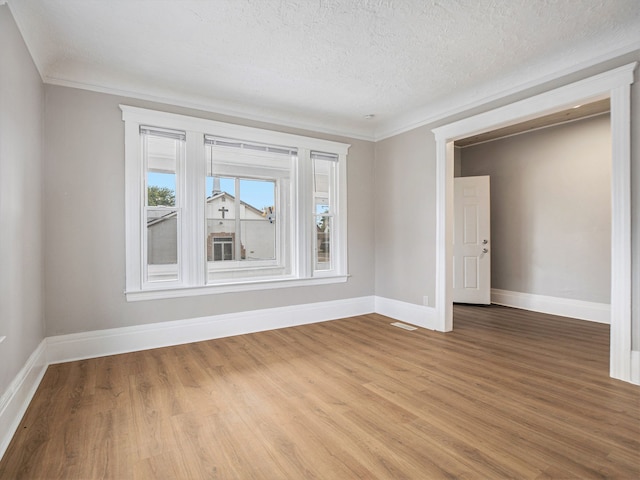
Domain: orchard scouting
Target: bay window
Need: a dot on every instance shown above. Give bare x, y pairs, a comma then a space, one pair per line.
215, 207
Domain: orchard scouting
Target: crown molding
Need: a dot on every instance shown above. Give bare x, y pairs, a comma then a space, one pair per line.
427, 115
237, 111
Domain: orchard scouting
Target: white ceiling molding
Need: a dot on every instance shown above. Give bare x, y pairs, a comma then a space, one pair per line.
424, 116
237, 111
427, 116
323, 66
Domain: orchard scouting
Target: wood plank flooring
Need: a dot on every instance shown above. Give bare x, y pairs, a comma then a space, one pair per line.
508, 394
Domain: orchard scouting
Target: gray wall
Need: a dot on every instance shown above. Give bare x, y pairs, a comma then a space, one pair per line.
84, 222
405, 199
405, 216
21, 279
391, 216
550, 209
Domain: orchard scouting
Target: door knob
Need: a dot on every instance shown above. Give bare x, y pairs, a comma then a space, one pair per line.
485, 250
485, 241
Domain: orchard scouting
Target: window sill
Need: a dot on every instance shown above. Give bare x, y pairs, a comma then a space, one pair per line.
245, 286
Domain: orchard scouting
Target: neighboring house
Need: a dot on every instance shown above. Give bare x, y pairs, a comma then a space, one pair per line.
256, 227
162, 239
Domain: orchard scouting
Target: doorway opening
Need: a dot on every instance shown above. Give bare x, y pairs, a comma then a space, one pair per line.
548, 248
614, 85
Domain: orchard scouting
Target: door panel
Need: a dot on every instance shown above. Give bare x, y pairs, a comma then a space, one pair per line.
470, 272
472, 241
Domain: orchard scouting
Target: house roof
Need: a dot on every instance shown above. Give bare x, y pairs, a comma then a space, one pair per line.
324, 65
215, 196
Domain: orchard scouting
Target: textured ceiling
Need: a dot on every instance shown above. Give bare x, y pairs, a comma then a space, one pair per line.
321, 64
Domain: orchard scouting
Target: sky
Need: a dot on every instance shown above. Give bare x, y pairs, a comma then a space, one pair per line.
256, 193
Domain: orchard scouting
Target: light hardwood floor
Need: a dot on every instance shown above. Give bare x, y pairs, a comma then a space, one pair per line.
508, 394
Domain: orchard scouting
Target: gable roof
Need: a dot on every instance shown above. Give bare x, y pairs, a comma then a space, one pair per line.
212, 198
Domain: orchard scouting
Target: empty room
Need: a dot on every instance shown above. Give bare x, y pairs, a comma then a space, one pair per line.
332, 239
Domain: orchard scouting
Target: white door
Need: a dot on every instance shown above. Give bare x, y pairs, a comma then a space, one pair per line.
472, 241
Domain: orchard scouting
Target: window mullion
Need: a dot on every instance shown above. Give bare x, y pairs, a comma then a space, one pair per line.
334, 229
133, 214
304, 220
237, 247
193, 247
143, 214
339, 200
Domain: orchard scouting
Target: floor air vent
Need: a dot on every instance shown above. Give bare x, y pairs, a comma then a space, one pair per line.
404, 325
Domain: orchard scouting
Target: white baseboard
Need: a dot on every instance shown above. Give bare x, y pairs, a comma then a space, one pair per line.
635, 367
77, 346
99, 343
564, 307
16, 399
406, 312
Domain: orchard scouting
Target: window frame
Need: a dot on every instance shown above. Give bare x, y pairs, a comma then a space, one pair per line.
193, 265
330, 214
175, 210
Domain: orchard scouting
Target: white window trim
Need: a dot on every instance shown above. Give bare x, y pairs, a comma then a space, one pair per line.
193, 268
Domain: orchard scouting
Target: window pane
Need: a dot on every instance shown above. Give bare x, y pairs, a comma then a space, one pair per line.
221, 203
162, 155
323, 178
217, 184
322, 206
258, 240
222, 247
258, 219
162, 244
220, 217
323, 242
259, 194
161, 219
220, 240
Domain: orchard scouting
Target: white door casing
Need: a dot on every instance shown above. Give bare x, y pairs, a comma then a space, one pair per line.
615, 85
472, 241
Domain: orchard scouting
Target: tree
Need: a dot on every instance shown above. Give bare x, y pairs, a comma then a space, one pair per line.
323, 221
160, 196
